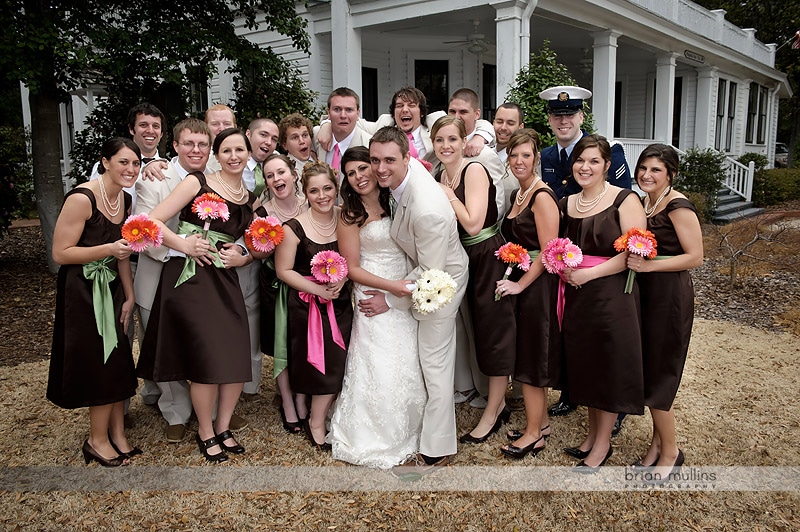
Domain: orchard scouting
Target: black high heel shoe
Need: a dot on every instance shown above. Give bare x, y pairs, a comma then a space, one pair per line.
325, 446
292, 427
226, 435
211, 442
658, 480
90, 454
514, 435
576, 452
502, 417
518, 453
639, 465
586, 469
130, 454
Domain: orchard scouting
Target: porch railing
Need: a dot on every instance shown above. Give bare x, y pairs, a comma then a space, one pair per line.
738, 179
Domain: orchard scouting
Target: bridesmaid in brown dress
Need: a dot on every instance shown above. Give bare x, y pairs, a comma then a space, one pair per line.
87, 241
198, 330
472, 195
667, 298
306, 235
532, 222
600, 331
282, 200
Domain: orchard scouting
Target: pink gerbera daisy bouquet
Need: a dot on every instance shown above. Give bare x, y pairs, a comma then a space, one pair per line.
513, 255
328, 267
639, 242
210, 206
141, 232
560, 254
264, 234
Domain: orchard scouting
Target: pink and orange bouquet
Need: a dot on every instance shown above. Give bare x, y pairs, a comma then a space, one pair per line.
513, 255
141, 232
639, 242
328, 267
264, 234
210, 206
560, 254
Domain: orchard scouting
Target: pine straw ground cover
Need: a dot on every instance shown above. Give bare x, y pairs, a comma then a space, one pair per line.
736, 407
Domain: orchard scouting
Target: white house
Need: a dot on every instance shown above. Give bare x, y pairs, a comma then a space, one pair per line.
666, 70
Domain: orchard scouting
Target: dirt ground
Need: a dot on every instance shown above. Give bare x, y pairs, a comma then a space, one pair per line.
736, 407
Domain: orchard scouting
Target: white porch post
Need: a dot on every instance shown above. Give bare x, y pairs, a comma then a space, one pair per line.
665, 96
509, 53
706, 108
603, 80
345, 47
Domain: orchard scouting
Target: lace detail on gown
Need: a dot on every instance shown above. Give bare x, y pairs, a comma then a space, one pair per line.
378, 415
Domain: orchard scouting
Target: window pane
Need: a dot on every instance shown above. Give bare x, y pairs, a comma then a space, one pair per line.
430, 76
752, 113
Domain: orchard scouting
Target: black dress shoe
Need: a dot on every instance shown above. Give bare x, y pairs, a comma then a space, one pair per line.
617, 427
226, 435
502, 417
514, 435
211, 442
586, 469
518, 453
575, 452
561, 408
90, 454
658, 480
130, 454
325, 446
292, 427
639, 465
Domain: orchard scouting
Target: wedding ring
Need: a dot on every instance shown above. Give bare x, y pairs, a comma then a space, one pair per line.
503, 289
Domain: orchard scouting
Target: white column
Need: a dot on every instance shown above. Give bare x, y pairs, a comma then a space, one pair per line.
665, 96
603, 80
346, 47
705, 110
509, 55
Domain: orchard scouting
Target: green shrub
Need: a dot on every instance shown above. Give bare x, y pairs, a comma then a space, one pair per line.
16, 177
702, 172
699, 202
542, 72
777, 185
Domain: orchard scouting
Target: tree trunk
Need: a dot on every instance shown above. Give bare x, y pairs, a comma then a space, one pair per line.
47, 177
794, 140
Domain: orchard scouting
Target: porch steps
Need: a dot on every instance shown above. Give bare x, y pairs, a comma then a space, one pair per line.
731, 207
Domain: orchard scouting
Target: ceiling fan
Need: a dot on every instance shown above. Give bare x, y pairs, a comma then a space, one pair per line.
475, 42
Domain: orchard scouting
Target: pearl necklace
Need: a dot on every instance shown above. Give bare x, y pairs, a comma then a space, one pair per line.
284, 216
522, 197
111, 209
452, 183
318, 227
591, 204
650, 210
236, 195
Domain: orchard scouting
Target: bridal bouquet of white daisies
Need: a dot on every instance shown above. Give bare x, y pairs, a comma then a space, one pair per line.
433, 290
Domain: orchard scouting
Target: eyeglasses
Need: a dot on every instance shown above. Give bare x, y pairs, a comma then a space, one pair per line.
202, 146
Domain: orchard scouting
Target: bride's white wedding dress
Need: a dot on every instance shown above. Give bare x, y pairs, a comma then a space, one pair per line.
378, 416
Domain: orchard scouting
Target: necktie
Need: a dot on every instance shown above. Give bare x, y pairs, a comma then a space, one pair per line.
563, 158
337, 158
392, 206
260, 183
411, 148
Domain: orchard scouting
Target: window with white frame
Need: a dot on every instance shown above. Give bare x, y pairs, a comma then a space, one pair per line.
757, 104
726, 114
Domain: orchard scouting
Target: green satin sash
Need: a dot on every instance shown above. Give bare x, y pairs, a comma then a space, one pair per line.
662, 257
186, 228
484, 234
101, 275
533, 254
280, 353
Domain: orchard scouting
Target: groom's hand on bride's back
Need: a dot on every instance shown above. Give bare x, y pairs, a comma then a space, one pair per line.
374, 305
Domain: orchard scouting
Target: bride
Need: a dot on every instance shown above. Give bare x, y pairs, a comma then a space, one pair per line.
378, 416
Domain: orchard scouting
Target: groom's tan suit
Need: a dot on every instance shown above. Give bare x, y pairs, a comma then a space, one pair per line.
425, 228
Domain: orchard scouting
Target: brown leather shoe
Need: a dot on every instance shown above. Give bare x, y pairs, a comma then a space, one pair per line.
238, 423
415, 467
176, 433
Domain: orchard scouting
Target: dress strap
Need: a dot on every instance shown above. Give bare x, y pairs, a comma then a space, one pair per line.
89, 194
624, 193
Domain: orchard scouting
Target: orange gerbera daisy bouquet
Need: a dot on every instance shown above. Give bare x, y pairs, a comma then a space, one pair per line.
639, 242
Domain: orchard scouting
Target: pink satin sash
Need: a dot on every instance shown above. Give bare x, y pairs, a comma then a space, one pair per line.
315, 337
588, 262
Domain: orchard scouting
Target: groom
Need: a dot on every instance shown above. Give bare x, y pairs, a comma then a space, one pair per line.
424, 226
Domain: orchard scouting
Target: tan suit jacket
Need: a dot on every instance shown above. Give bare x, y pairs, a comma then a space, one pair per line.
149, 194
360, 138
